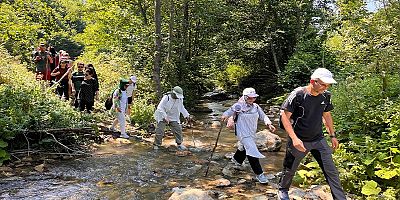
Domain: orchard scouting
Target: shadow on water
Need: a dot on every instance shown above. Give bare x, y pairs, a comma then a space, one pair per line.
135, 170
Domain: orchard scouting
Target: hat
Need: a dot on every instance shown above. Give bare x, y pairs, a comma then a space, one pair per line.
250, 92
133, 79
324, 75
42, 44
178, 91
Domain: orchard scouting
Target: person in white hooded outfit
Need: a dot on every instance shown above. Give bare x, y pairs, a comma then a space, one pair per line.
168, 113
246, 114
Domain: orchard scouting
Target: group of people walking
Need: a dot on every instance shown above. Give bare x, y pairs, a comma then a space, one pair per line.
302, 116
56, 68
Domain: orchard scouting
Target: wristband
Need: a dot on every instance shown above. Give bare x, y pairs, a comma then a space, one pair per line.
332, 136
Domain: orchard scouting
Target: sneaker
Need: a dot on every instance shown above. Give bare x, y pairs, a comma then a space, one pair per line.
181, 147
236, 163
283, 195
262, 178
155, 147
126, 136
112, 129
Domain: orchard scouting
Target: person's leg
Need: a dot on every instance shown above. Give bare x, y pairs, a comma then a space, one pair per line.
323, 155
65, 89
255, 165
291, 162
176, 129
240, 156
59, 90
159, 133
76, 102
121, 120
89, 106
82, 105
115, 122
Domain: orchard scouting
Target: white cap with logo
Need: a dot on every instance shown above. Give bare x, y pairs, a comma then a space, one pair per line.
324, 75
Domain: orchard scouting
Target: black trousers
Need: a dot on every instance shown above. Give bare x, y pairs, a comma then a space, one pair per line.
240, 156
63, 88
86, 104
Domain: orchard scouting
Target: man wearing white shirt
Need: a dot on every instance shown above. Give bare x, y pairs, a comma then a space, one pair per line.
168, 113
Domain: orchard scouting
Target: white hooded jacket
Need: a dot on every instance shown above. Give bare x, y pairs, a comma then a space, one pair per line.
171, 109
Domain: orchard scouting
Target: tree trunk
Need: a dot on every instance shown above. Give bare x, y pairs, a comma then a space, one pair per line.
171, 28
275, 58
157, 53
185, 33
143, 12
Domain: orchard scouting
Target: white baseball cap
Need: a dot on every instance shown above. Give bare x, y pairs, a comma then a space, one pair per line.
324, 75
250, 92
133, 79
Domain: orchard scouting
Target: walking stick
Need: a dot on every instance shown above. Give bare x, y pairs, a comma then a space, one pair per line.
215, 146
191, 127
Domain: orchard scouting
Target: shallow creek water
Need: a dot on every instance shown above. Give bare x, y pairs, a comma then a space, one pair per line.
118, 170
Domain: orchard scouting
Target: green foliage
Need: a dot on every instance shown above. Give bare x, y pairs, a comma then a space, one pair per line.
142, 112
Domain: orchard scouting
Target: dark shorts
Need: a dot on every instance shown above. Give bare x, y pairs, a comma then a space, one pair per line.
129, 100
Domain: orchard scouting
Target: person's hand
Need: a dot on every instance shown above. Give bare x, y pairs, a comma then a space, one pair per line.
73, 91
166, 120
335, 143
37, 58
298, 144
224, 118
118, 109
189, 119
271, 127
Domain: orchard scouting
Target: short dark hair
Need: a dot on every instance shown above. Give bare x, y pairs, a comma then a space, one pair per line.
89, 70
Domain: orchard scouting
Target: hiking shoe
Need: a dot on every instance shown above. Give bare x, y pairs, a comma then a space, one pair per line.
236, 163
262, 178
181, 147
283, 195
112, 129
126, 136
155, 147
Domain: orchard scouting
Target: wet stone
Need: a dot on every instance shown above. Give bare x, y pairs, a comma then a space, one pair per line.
189, 193
6, 169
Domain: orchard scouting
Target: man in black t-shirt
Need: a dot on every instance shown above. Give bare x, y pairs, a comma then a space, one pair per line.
77, 79
301, 115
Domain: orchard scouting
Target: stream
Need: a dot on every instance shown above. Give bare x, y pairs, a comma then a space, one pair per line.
131, 169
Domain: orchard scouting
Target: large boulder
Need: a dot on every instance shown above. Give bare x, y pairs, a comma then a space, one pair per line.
189, 194
267, 141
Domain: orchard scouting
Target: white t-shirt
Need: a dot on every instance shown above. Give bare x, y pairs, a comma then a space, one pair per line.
130, 89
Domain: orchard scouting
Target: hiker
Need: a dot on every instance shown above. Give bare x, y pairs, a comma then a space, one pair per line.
301, 116
77, 78
63, 77
88, 91
119, 107
246, 114
90, 65
168, 113
42, 60
129, 92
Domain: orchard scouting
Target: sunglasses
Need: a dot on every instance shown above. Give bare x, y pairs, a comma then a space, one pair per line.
80, 66
87, 74
321, 84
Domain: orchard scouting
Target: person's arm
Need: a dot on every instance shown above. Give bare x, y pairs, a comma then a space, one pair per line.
228, 113
49, 58
183, 110
331, 131
161, 108
297, 143
265, 118
55, 72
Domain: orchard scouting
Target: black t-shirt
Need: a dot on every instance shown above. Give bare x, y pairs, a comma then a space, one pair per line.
88, 90
77, 78
307, 113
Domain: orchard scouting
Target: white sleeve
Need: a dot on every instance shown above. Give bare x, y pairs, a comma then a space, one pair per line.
160, 113
263, 116
183, 110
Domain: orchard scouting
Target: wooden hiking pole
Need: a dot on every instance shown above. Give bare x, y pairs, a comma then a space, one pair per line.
191, 127
212, 152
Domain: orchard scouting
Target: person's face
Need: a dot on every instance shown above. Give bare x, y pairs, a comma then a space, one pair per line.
250, 100
88, 75
81, 67
319, 86
63, 64
42, 48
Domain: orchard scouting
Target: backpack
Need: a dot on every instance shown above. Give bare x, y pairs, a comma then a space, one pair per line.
299, 102
109, 101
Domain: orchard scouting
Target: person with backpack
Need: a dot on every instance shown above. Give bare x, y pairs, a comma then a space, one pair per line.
77, 78
87, 92
168, 113
301, 116
42, 60
119, 107
246, 115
